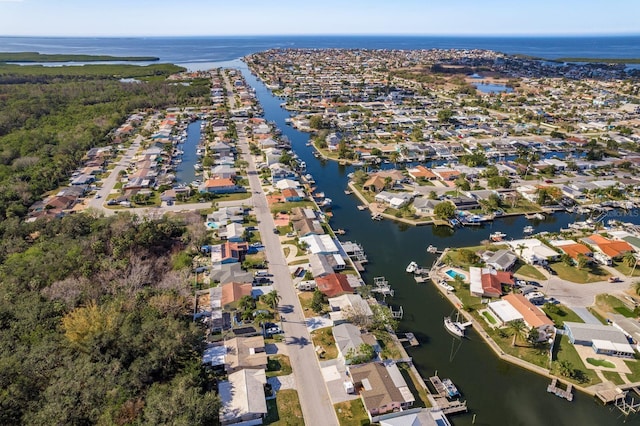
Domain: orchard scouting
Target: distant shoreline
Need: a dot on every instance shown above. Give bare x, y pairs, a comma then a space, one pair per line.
9, 57
601, 60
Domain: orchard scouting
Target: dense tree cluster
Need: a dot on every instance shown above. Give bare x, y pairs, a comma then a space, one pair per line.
95, 325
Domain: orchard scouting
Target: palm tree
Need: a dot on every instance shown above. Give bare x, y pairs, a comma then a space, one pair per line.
246, 303
517, 328
271, 299
631, 261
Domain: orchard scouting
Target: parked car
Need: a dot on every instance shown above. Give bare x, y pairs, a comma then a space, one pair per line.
275, 231
273, 330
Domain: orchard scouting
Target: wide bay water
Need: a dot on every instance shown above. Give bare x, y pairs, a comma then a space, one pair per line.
497, 392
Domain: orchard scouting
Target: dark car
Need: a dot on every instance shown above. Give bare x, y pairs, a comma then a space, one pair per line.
275, 231
548, 181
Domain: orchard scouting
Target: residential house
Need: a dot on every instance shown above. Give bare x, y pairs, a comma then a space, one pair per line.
227, 272
532, 316
245, 352
325, 264
293, 195
220, 149
603, 339
375, 183
381, 387
320, 244
572, 249
424, 206
279, 171
243, 398
395, 200
229, 252
348, 339
465, 203
304, 227
533, 251
220, 186
611, 249
233, 232
501, 260
421, 172
223, 172
234, 291
333, 285
346, 305
487, 282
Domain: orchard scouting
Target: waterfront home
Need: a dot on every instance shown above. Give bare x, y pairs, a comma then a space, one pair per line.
245, 352
629, 326
243, 398
319, 244
333, 285
611, 249
533, 251
220, 149
381, 387
293, 194
395, 200
603, 339
421, 172
223, 172
424, 206
487, 282
446, 174
464, 203
349, 305
532, 316
219, 186
232, 292
321, 265
501, 260
375, 183
286, 184
348, 339
304, 227
573, 249
279, 171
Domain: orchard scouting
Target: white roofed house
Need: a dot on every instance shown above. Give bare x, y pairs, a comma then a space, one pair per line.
348, 305
320, 244
233, 232
348, 339
223, 172
603, 339
501, 260
395, 200
533, 251
243, 398
424, 206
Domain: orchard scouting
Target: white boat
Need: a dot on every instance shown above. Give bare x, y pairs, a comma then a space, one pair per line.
454, 327
452, 390
432, 249
411, 267
444, 284
527, 229
497, 236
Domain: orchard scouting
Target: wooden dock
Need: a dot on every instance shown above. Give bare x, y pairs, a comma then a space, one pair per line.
409, 338
451, 407
440, 388
555, 389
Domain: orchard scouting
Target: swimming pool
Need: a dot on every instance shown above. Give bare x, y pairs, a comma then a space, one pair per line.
452, 274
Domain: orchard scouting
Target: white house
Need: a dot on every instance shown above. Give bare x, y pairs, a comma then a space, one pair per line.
533, 251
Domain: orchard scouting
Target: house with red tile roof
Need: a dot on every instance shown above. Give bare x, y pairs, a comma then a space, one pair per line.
229, 252
421, 172
220, 186
333, 285
610, 248
531, 314
487, 282
572, 249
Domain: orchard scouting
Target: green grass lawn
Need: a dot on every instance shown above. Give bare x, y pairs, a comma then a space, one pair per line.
522, 349
613, 376
277, 207
559, 314
600, 363
528, 271
278, 365
352, 413
233, 197
324, 338
634, 366
387, 345
596, 314
284, 410
578, 275
625, 270
564, 351
607, 303
489, 318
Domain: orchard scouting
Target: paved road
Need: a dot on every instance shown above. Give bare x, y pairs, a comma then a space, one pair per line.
317, 408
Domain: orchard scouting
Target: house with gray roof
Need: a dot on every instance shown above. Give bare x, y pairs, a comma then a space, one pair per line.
502, 260
603, 339
243, 398
424, 206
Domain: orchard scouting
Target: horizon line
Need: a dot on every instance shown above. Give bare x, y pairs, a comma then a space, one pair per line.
487, 35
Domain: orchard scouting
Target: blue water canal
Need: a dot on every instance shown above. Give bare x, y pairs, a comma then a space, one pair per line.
498, 393
185, 172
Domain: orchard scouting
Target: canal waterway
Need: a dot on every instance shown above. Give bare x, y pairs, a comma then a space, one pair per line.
185, 171
498, 393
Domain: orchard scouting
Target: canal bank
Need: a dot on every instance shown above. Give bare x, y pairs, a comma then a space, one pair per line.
498, 393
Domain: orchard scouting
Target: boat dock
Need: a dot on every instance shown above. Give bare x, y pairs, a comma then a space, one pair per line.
555, 389
409, 338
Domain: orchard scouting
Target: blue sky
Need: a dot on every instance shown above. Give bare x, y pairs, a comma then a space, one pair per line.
252, 17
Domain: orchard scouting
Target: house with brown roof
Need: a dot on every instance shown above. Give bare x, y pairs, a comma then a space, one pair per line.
220, 186
381, 387
245, 352
333, 285
375, 183
488, 282
234, 291
229, 252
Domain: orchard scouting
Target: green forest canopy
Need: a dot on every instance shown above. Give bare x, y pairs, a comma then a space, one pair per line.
47, 57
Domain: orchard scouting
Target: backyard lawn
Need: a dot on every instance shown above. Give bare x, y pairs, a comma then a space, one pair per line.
284, 410
351, 413
564, 351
